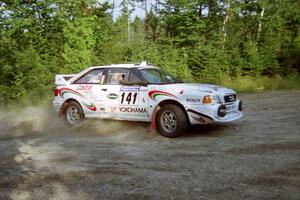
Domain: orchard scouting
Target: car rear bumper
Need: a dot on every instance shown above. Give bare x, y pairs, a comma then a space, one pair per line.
202, 114
57, 105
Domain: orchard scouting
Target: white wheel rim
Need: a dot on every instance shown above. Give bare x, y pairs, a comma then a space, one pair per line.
168, 121
73, 116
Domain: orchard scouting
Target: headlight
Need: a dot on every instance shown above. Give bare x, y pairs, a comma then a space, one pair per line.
208, 99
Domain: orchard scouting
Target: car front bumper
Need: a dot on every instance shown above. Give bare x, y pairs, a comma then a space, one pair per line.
201, 114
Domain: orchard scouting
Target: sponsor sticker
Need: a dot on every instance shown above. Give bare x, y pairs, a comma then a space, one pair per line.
130, 88
112, 96
101, 107
84, 87
132, 110
192, 100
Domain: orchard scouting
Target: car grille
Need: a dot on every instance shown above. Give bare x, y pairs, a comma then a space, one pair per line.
229, 98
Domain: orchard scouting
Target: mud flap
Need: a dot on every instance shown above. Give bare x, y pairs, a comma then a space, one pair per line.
61, 113
153, 122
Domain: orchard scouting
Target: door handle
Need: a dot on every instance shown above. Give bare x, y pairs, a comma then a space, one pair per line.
104, 89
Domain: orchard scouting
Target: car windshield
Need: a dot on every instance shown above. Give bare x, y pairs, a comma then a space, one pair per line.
156, 76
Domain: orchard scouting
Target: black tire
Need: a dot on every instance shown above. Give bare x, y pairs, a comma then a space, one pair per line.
73, 113
171, 121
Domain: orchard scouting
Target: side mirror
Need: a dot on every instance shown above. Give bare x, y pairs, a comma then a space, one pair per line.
142, 83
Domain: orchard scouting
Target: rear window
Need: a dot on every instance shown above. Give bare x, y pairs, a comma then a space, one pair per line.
92, 77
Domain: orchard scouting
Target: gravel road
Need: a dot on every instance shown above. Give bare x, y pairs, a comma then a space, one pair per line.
257, 157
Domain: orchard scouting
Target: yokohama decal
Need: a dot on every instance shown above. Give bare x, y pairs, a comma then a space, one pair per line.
153, 94
133, 110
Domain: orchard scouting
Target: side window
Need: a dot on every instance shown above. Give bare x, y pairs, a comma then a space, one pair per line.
92, 77
115, 75
152, 76
133, 78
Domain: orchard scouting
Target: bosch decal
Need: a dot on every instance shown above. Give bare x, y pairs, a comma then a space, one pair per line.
191, 100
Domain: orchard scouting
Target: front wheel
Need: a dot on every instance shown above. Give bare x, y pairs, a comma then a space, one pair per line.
73, 113
171, 121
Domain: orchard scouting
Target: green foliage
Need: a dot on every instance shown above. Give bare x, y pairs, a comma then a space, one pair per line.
257, 84
248, 45
168, 58
79, 42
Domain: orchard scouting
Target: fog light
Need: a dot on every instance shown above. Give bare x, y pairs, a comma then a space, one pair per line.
222, 110
240, 106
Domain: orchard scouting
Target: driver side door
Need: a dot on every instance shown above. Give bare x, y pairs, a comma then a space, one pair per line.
125, 102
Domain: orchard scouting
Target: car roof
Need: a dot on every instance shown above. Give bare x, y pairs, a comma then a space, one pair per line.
124, 66
142, 65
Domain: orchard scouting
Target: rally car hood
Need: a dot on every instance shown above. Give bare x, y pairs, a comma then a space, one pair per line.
197, 87
209, 88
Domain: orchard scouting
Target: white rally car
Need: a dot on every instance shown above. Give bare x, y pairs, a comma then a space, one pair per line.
142, 92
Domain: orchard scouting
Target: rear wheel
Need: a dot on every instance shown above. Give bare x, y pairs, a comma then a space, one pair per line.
171, 121
73, 113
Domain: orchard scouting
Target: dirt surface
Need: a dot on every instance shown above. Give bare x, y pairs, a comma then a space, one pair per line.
257, 157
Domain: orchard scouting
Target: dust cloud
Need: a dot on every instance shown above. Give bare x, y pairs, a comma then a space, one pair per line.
27, 121
37, 120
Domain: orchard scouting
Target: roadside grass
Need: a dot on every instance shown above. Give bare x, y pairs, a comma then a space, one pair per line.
257, 84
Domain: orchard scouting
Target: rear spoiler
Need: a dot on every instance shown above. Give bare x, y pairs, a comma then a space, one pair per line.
63, 79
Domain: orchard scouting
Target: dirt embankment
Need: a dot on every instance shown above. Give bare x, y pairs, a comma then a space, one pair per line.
256, 157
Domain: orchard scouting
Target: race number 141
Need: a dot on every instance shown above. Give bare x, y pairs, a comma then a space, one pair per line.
129, 98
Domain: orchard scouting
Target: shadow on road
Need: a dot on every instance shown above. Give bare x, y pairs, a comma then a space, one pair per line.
209, 130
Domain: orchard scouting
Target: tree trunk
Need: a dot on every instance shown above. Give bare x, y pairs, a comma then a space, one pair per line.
145, 20
224, 31
259, 25
113, 7
128, 22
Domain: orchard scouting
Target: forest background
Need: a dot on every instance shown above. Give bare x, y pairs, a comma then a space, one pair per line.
249, 45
